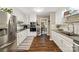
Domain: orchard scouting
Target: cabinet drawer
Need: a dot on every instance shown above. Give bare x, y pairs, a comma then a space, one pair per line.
66, 47
65, 38
68, 39
68, 43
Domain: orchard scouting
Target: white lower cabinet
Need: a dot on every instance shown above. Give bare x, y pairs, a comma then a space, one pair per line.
67, 47
65, 44
21, 36
31, 33
57, 39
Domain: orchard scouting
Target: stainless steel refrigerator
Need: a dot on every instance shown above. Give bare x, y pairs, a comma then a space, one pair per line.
8, 43
12, 28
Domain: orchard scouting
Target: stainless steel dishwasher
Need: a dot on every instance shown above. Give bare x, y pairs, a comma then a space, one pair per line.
76, 46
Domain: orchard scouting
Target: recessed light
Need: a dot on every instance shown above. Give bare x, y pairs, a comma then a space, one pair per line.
38, 9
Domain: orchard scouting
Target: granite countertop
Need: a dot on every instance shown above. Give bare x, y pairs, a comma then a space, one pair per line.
75, 38
20, 30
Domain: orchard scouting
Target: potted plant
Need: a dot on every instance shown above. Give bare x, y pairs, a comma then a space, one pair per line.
6, 10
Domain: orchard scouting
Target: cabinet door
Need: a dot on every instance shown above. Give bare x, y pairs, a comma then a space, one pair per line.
19, 38
25, 33
67, 47
28, 32
57, 39
60, 42
53, 36
67, 39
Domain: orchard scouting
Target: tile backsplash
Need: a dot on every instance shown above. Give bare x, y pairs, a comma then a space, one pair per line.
76, 28
69, 26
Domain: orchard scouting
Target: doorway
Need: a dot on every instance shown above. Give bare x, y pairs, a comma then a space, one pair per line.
44, 26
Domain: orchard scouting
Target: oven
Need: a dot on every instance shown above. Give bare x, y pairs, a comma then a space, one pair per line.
32, 26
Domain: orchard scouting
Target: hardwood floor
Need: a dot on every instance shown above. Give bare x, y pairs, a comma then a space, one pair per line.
43, 44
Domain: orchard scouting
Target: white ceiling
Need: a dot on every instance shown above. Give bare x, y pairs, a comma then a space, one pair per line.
45, 12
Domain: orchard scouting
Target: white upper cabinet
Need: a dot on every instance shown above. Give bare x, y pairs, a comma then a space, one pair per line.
21, 17
72, 18
52, 18
32, 18
59, 17
71, 12
71, 15
56, 17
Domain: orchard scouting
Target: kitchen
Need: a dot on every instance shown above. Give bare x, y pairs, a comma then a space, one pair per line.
20, 25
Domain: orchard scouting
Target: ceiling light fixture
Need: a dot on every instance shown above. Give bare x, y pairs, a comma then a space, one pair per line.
75, 8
